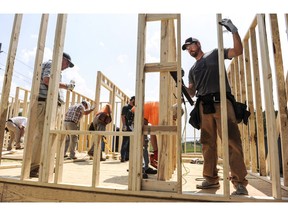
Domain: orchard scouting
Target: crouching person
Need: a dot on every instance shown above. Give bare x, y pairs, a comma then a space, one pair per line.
100, 121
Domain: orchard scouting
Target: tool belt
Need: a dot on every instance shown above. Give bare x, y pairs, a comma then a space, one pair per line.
240, 109
208, 102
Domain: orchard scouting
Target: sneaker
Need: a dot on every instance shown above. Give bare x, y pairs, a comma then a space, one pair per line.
34, 174
206, 185
71, 158
90, 153
150, 171
144, 176
240, 190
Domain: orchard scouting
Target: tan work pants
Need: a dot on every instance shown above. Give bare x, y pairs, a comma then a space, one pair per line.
210, 125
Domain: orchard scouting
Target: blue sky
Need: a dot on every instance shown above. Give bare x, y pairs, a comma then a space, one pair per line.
106, 40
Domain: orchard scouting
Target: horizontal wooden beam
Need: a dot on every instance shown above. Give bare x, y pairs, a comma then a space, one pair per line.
12, 190
105, 133
154, 185
160, 67
159, 17
161, 129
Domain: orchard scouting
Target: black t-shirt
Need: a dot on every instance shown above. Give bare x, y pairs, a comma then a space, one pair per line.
204, 74
129, 115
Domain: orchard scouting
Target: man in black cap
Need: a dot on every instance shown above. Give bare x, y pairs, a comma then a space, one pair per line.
204, 81
41, 108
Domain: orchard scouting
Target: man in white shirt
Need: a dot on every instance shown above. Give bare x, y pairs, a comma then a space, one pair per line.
16, 127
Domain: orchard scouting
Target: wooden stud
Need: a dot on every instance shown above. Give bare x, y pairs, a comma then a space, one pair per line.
251, 122
281, 95
7, 80
51, 106
258, 105
32, 113
269, 107
136, 150
223, 104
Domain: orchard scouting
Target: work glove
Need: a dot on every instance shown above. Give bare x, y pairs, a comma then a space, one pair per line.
227, 23
71, 85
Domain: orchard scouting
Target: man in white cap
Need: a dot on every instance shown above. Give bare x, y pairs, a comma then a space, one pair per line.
41, 108
71, 122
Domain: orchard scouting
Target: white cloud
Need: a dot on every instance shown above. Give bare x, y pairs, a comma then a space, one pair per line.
28, 55
122, 58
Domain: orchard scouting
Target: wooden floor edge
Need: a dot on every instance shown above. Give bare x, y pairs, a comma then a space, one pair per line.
12, 190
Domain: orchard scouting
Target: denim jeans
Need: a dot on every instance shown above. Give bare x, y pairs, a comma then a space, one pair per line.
125, 148
145, 153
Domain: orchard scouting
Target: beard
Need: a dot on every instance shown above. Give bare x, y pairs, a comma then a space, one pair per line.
194, 53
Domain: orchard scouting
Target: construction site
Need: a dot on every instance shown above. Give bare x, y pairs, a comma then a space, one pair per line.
91, 179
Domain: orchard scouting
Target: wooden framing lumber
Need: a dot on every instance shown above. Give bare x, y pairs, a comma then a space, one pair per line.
51, 107
32, 114
269, 107
7, 80
136, 150
160, 67
281, 94
50, 188
251, 122
223, 104
244, 128
258, 105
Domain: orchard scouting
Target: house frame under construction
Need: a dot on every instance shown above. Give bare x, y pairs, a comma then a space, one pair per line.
243, 73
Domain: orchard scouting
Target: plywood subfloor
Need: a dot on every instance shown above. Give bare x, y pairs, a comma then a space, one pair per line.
114, 174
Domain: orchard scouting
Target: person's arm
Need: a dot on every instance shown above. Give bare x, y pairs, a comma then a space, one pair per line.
86, 112
61, 84
191, 90
123, 118
237, 43
237, 48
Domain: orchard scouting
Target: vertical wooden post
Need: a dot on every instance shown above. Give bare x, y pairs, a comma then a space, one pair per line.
16, 104
251, 122
32, 113
258, 105
269, 108
223, 104
167, 27
96, 160
281, 96
46, 169
136, 150
8, 76
244, 128
179, 111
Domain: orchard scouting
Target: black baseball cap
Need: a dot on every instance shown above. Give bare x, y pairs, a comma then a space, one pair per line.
189, 41
67, 56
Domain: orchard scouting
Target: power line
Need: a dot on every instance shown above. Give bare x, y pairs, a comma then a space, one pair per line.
19, 75
19, 61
